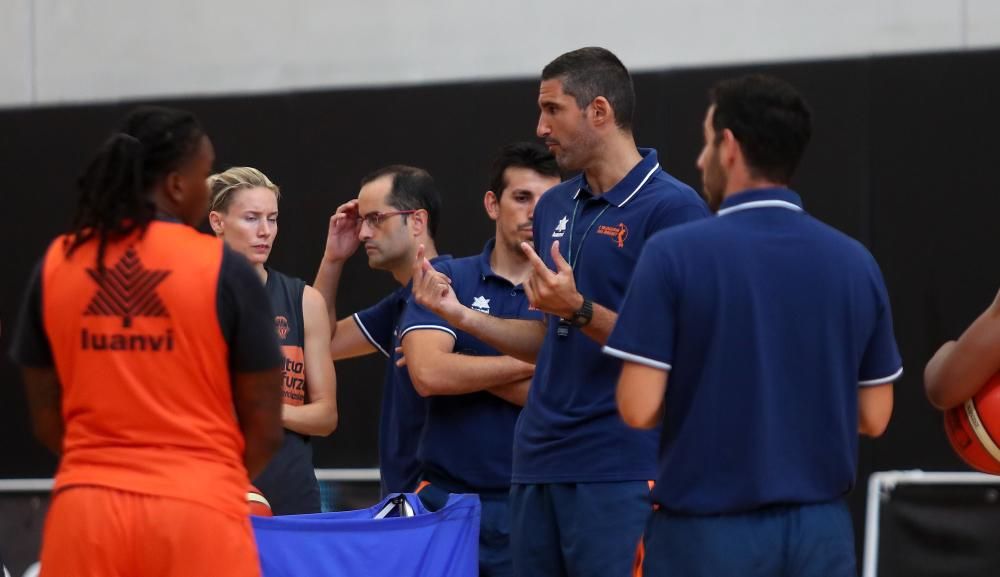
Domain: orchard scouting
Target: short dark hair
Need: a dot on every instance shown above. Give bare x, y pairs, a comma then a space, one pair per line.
590, 72
770, 120
531, 155
412, 189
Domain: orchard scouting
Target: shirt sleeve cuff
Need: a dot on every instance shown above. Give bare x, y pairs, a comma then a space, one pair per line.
882, 380
368, 336
636, 358
429, 327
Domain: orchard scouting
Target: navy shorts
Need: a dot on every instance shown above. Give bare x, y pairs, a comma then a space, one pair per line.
578, 529
795, 540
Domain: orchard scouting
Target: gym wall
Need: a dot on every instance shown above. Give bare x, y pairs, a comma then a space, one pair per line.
58, 52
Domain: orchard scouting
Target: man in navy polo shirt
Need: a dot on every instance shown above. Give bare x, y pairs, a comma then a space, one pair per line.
776, 333
475, 394
580, 484
396, 211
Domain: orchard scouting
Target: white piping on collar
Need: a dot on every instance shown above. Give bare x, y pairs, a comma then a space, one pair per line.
760, 204
629, 197
648, 175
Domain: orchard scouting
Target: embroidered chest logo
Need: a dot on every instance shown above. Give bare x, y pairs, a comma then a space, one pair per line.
481, 304
127, 290
281, 325
618, 233
560, 227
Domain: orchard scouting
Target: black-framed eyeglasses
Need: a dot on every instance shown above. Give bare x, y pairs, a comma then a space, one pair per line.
375, 219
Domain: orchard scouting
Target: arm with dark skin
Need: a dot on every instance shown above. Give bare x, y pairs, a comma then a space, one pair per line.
960, 368
257, 398
45, 406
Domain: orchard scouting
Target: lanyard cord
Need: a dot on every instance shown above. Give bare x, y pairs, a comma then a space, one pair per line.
579, 251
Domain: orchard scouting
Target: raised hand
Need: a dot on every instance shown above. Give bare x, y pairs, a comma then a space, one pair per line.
432, 290
553, 292
342, 236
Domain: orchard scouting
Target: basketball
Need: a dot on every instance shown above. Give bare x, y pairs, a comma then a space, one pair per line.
974, 428
258, 503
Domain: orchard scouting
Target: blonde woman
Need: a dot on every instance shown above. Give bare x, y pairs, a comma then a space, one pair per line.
244, 213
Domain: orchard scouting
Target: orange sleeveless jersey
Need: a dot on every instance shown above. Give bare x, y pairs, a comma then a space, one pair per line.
146, 394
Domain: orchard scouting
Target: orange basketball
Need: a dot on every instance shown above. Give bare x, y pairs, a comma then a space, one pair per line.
258, 504
974, 428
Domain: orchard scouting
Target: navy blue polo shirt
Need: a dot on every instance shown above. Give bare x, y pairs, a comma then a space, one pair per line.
468, 438
403, 410
768, 321
570, 430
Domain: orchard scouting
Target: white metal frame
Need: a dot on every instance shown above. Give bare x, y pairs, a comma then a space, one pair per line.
342, 475
880, 485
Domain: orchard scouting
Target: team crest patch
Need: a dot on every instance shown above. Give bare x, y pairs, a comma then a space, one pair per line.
618, 233
281, 325
560, 227
481, 304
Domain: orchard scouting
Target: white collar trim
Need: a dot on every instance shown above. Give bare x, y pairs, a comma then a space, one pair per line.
634, 192
760, 204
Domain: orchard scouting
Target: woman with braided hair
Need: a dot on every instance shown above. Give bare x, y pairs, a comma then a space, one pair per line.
150, 367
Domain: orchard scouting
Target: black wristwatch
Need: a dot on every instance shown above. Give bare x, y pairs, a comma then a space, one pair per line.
582, 317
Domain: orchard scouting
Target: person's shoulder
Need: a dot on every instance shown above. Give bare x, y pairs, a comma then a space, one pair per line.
665, 187
687, 235
292, 282
179, 232
312, 298
457, 265
562, 191
838, 239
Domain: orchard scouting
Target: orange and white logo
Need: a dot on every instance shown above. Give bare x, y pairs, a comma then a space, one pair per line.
619, 233
281, 325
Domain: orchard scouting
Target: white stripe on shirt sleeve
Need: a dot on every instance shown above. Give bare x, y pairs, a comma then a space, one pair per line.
434, 327
368, 336
636, 359
882, 380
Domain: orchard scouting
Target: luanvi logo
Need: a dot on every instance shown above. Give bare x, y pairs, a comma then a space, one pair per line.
127, 290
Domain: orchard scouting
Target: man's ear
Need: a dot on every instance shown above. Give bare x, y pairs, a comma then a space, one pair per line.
729, 148
492, 204
601, 112
418, 221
